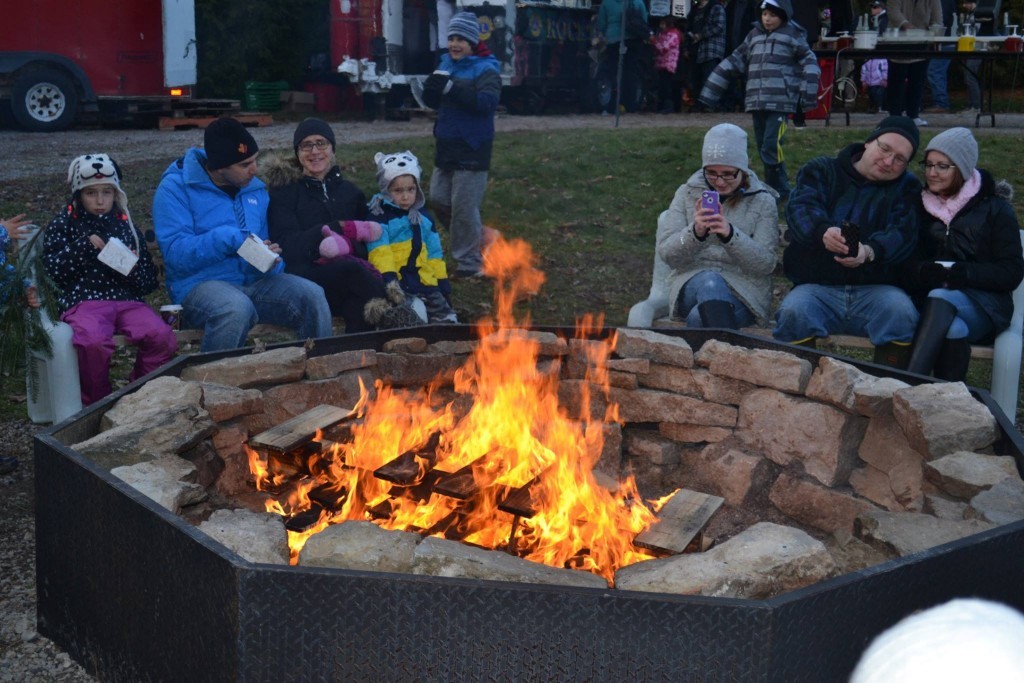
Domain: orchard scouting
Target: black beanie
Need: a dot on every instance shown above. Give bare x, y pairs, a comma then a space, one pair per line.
901, 125
227, 142
312, 126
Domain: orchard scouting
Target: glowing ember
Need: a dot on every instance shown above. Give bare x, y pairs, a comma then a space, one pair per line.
513, 435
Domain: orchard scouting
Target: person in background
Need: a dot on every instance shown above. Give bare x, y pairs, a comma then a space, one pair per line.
320, 220
970, 258
465, 91
208, 203
907, 76
634, 36
938, 69
99, 298
408, 250
972, 67
666, 58
741, 16
721, 262
839, 289
706, 37
780, 70
879, 16
874, 75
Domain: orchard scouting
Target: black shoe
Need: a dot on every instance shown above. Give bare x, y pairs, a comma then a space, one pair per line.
954, 358
8, 463
931, 334
893, 354
717, 314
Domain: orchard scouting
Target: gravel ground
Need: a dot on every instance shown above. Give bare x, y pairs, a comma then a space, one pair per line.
24, 654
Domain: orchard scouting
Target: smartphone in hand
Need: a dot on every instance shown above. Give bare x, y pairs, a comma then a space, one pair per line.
851, 235
709, 200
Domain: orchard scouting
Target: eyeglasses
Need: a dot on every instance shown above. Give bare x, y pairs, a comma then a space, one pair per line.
728, 176
318, 144
941, 168
887, 151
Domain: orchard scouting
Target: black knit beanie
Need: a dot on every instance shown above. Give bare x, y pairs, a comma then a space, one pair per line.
227, 142
312, 126
901, 125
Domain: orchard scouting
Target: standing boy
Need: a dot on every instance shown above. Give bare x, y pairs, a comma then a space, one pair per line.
465, 91
781, 72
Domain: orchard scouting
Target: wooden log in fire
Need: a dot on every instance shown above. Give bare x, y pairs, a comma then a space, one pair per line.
679, 521
300, 429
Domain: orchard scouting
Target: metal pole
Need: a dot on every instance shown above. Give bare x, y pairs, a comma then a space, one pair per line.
622, 57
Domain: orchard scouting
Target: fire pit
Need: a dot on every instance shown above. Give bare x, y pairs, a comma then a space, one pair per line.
134, 592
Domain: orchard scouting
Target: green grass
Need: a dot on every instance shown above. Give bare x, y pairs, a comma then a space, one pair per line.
586, 200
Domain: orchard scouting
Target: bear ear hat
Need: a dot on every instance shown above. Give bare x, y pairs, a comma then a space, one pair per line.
377, 157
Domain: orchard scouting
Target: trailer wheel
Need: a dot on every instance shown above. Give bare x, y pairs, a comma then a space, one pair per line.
44, 100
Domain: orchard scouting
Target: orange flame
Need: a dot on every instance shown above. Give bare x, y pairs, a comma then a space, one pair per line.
514, 434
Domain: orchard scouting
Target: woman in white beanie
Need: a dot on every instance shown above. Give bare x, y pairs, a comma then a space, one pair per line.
970, 256
721, 262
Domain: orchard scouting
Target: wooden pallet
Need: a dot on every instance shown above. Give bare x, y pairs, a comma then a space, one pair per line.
186, 122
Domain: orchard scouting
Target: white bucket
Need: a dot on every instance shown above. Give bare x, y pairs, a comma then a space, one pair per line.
865, 40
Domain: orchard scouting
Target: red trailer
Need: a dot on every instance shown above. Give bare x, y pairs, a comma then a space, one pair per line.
115, 58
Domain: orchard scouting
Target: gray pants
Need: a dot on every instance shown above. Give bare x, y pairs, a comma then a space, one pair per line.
456, 197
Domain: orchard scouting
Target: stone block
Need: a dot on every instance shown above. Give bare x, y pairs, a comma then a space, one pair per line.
672, 378
257, 537
655, 346
332, 365
278, 366
814, 505
645, 405
417, 370
1001, 504
887, 451
689, 433
168, 480
226, 403
906, 533
964, 475
761, 562
405, 345
285, 401
740, 478
823, 439
361, 546
721, 389
943, 418
773, 369
648, 444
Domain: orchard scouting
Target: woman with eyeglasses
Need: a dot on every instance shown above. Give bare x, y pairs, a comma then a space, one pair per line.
970, 256
313, 212
721, 259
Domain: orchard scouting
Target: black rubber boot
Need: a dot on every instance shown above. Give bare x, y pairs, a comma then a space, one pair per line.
717, 314
953, 360
931, 334
893, 354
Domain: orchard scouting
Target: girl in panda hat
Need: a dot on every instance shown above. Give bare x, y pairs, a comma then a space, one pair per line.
96, 299
409, 248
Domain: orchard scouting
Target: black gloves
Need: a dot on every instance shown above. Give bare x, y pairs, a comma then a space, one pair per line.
931, 275
434, 87
957, 276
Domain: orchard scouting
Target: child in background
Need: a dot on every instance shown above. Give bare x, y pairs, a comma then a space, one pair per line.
465, 92
98, 301
666, 59
781, 72
874, 75
409, 248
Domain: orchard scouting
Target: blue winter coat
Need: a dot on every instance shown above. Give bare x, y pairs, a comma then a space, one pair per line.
465, 114
199, 227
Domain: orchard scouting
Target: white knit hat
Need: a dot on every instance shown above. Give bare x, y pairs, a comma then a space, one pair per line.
726, 145
391, 166
966, 639
98, 169
960, 146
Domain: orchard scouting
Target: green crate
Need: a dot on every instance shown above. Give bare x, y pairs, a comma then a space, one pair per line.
263, 96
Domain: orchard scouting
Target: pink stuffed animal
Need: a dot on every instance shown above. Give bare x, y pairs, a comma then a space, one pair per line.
334, 246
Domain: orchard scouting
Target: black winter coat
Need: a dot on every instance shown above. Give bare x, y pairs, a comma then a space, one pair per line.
300, 206
985, 236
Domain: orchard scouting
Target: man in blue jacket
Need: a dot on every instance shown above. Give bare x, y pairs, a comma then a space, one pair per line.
846, 279
207, 206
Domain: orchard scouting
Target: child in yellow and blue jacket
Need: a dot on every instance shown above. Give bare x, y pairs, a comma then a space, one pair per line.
409, 248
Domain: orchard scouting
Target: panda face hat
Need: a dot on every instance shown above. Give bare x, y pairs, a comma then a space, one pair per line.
391, 166
96, 169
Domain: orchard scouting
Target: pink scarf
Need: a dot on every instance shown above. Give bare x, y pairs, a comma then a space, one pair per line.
946, 208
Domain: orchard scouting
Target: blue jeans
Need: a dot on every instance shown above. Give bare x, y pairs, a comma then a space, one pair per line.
709, 286
970, 321
226, 312
938, 81
883, 313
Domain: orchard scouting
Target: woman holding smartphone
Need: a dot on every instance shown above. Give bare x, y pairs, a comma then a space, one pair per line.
970, 256
719, 237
